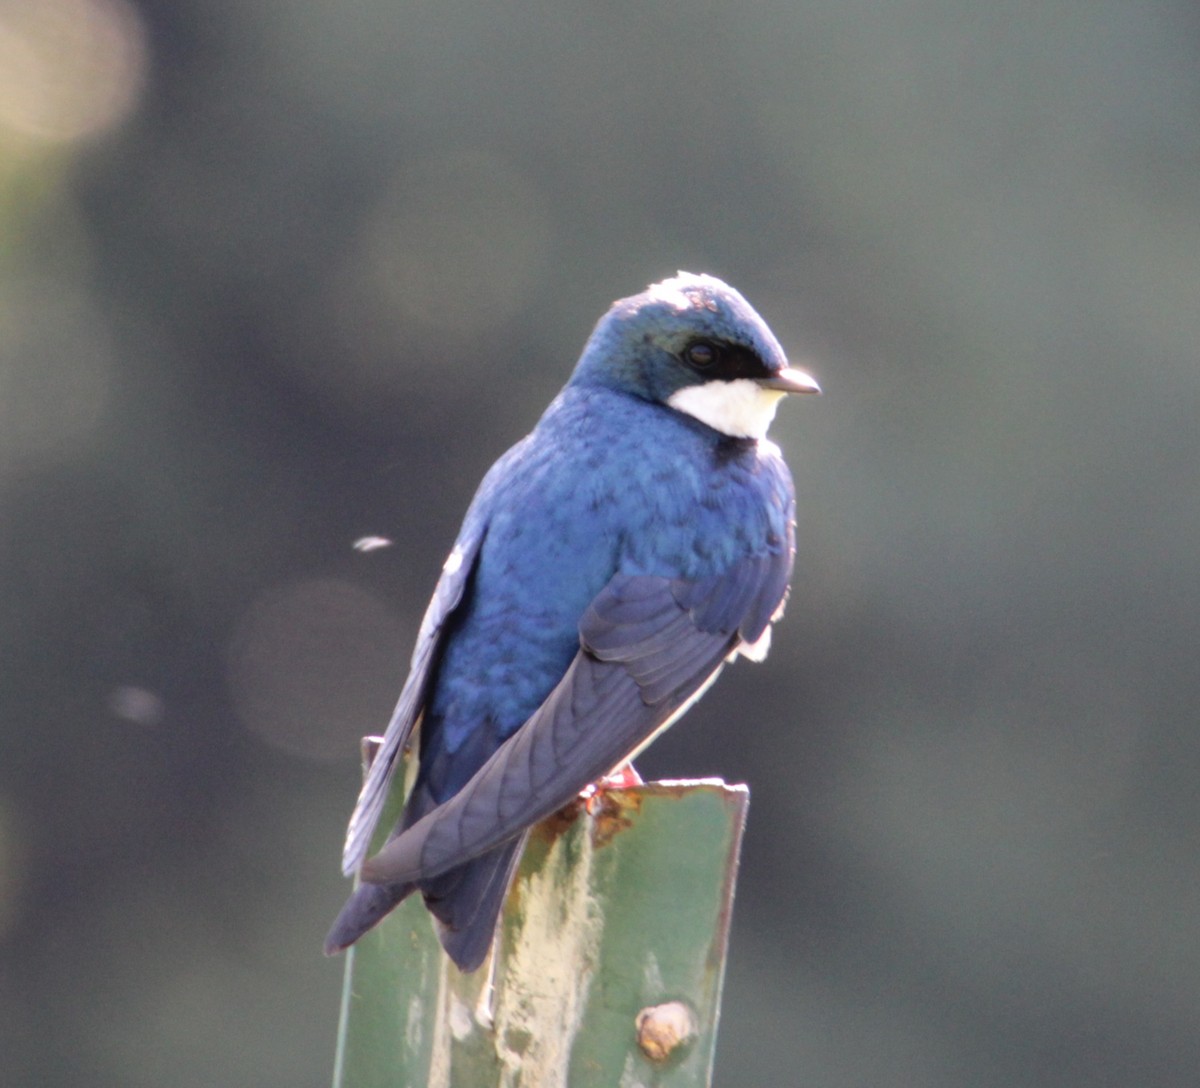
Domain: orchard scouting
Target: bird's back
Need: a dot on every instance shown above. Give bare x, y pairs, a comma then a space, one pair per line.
607, 482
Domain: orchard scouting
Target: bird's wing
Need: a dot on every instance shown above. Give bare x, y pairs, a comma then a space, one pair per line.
649, 647
446, 597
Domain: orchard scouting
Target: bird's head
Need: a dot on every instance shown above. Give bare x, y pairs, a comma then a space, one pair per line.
694, 344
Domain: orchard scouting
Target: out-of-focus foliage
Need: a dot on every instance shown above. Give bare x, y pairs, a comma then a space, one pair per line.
276, 277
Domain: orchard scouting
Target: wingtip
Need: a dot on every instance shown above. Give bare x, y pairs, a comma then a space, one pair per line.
333, 948
341, 935
367, 906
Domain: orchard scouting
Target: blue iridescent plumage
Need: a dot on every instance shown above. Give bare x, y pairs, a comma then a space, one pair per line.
609, 565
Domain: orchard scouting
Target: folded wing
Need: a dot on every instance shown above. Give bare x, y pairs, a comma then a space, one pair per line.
446, 597
649, 646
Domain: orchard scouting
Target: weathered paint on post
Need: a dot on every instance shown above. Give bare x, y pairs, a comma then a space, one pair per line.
620, 908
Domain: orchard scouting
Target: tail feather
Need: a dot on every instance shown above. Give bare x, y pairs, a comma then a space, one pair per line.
465, 901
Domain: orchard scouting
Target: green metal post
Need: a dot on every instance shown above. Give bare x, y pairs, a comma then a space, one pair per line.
607, 970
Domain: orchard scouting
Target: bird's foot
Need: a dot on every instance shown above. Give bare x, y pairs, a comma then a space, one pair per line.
622, 778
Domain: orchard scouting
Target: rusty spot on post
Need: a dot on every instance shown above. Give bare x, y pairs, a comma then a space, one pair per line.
663, 1029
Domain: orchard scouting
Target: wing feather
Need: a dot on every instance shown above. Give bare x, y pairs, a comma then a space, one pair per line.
447, 596
744, 598
648, 645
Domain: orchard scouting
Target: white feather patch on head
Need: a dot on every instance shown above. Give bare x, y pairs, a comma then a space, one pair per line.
670, 292
740, 409
687, 291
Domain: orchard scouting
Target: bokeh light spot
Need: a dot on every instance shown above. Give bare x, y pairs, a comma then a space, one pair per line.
136, 705
69, 68
454, 249
314, 666
458, 245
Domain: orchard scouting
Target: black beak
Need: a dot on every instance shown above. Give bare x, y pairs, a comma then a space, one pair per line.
791, 380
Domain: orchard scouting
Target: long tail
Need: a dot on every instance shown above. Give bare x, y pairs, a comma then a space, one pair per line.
465, 901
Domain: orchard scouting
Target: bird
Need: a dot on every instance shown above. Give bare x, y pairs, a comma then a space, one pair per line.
609, 566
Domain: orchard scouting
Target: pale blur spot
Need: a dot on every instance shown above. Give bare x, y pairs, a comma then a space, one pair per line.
55, 373
457, 246
371, 543
69, 68
314, 666
452, 251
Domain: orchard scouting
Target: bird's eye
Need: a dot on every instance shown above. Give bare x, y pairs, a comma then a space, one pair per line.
701, 354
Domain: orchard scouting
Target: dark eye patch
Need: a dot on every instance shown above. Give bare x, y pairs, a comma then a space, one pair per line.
723, 361
702, 355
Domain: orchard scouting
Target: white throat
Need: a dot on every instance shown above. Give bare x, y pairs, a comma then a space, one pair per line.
741, 408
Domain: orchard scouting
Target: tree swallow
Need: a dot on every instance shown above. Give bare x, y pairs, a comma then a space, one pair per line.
609, 566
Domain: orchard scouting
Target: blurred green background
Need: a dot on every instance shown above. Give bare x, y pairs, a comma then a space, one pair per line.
274, 277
